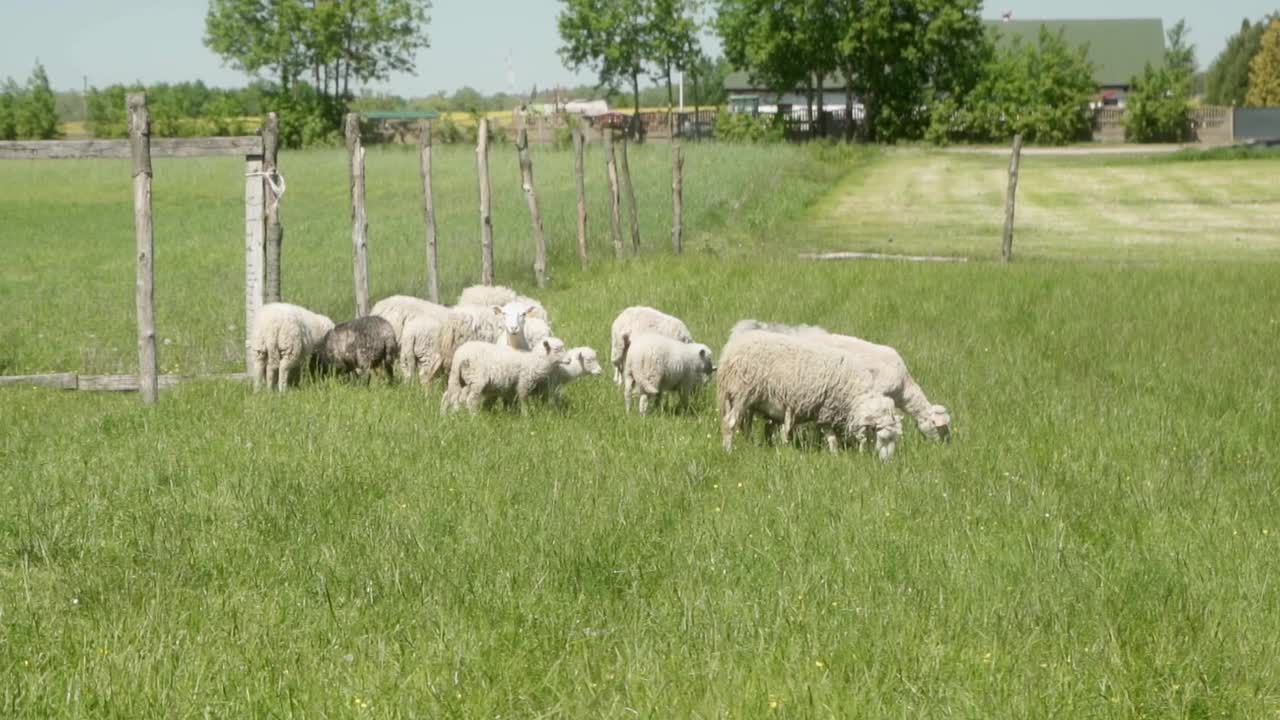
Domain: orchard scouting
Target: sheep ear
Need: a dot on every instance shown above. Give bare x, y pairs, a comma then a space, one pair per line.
704, 353
497, 310
582, 362
546, 344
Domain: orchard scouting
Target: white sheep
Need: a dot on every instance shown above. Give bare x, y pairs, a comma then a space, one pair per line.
637, 320
657, 364
483, 372
793, 379
487, 323
283, 337
575, 363
401, 311
889, 373
499, 295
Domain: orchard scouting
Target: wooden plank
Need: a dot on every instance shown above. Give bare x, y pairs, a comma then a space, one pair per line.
55, 381
881, 256
254, 251
579, 172
144, 291
1006, 244
275, 231
633, 212
129, 383
531, 197
359, 216
429, 210
122, 150
615, 213
486, 211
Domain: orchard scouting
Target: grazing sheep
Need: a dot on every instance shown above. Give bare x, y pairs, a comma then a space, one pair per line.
656, 363
359, 346
283, 337
889, 373
419, 347
486, 323
635, 321
483, 372
499, 295
794, 379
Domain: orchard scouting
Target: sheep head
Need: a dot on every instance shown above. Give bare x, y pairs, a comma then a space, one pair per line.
940, 420
513, 315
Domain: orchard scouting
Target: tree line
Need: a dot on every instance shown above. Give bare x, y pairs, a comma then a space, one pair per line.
28, 112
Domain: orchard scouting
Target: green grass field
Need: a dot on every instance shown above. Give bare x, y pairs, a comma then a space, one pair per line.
1100, 539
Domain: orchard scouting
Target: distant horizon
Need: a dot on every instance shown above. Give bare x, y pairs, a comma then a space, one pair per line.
511, 51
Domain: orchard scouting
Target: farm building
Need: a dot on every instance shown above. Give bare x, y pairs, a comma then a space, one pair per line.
1118, 48
746, 95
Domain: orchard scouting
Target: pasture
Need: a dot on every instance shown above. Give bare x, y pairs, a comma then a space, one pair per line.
1099, 540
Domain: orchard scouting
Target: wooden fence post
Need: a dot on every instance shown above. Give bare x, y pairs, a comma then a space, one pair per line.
633, 213
275, 232
1006, 247
677, 198
531, 196
359, 217
254, 250
486, 216
140, 144
579, 140
429, 210
615, 213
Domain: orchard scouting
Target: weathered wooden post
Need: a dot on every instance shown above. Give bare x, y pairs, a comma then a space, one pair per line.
531, 197
677, 197
633, 213
275, 232
359, 217
615, 213
1006, 247
579, 140
486, 215
254, 249
429, 210
145, 296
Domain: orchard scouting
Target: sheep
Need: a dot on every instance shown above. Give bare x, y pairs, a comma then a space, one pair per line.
487, 323
576, 362
890, 375
283, 337
483, 372
640, 319
360, 346
499, 295
401, 311
656, 363
793, 379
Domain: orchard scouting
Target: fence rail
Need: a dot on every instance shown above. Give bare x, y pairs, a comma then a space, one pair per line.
121, 149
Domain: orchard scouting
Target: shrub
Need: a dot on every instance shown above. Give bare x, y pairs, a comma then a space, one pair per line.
747, 128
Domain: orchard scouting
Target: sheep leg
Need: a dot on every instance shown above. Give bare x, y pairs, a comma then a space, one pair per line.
259, 370
728, 422
833, 442
788, 419
628, 387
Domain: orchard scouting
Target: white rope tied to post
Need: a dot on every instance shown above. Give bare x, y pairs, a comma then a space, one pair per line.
275, 180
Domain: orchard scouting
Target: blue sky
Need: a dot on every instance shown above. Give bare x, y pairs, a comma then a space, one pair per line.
471, 40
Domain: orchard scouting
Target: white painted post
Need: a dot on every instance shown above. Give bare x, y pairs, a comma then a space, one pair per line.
255, 237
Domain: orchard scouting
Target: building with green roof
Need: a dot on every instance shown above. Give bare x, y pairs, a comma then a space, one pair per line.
1118, 48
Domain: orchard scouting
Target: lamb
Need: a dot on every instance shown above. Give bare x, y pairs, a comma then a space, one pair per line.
577, 362
483, 372
499, 295
656, 364
793, 379
283, 337
359, 346
890, 375
635, 321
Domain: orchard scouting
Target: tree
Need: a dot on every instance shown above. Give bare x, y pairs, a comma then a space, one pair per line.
763, 37
1040, 90
37, 112
9, 94
1158, 100
1264, 70
673, 39
334, 40
611, 37
903, 56
1227, 82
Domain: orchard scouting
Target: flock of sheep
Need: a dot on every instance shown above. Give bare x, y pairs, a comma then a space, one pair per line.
495, 344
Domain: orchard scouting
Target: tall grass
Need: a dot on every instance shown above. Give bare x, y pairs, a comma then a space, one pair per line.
1098, 541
